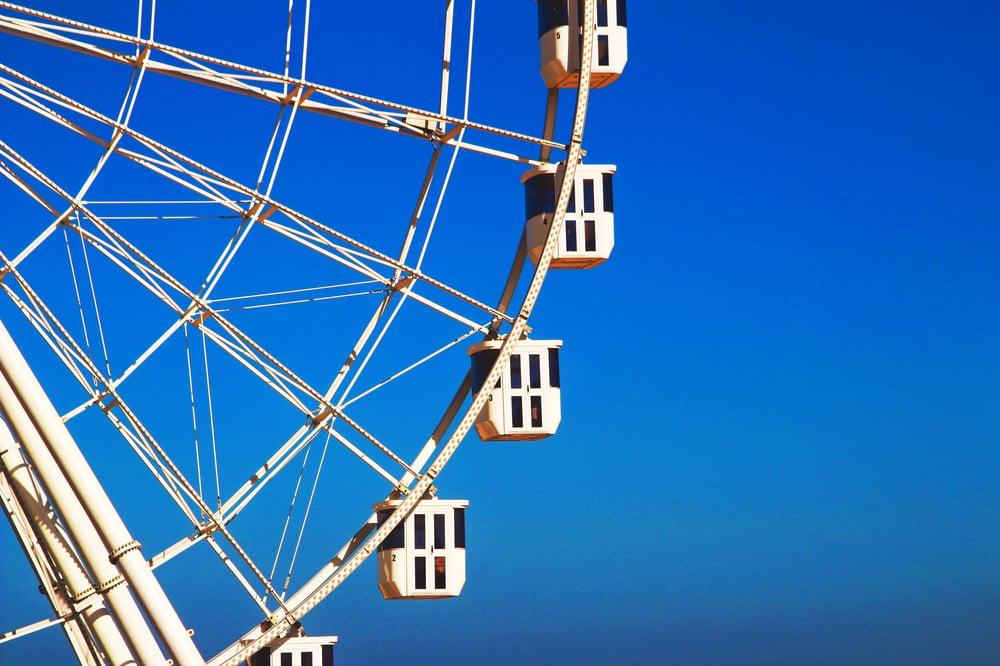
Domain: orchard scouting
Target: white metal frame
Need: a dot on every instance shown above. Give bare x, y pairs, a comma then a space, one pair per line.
39, 431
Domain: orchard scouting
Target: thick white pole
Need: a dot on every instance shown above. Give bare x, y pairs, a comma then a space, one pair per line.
124, 551
79, 588
92, 549
449, 15
74, 622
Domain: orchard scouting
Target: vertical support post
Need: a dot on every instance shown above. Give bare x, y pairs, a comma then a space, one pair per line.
95, 554
71, 585
449, 15
50, 583
64, 463
549, 127
507, 295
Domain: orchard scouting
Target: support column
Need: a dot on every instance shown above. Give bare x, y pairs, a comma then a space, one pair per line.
50, 583
95, 554
70, 464
85, 602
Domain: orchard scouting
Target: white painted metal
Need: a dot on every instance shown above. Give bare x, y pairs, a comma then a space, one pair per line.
549, 125
95, 553
449, 23
20, 385
72, 592
192, 305
234, 77
30, 529
330, 577
28, 629
152, 453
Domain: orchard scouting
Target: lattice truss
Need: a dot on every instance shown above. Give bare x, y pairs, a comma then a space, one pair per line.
91, 231
188, 309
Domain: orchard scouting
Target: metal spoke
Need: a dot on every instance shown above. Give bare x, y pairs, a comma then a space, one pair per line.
321, 325
359, 108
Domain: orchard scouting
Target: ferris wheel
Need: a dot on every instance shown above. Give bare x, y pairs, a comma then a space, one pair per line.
243, 305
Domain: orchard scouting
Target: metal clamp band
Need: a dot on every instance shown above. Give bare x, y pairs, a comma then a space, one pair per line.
83, 594
118, 552
106, 586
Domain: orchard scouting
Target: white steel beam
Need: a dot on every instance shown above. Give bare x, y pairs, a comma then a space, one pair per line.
93, 550
360, 107
315, 591
78, 602
21, 386
49, 581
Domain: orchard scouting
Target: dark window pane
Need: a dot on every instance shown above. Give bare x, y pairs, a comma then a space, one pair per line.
439, 577
482, 362
262, 658
554, 367
602, 13
540, 195
419, 531
536, 411
439, 539
327, 655
570, 233
420, 573
603, 53
396, 538
286, 659
609, 199
307, 659
622, 21
588, 195
535, 370
551, 14
590, 236
515, 371
571, 206
459, 528
516, 415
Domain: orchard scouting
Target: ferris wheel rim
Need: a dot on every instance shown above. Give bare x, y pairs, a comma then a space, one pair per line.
518, 323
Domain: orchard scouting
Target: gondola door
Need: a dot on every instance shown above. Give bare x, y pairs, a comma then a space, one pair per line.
433, 569
523, 410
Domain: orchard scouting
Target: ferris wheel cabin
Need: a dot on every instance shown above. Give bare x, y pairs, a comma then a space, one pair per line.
588, 234
560, 41
524, 404
297, 651
424, 556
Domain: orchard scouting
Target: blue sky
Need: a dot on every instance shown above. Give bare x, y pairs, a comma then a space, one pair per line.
780, 435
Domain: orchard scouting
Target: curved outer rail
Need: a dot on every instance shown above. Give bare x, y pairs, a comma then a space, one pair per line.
306, 599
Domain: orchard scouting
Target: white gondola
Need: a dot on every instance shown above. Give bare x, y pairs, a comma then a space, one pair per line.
560, 38
524, 404
588, 234
297, 651
424, 556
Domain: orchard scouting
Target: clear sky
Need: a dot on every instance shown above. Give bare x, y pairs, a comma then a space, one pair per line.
780, 439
